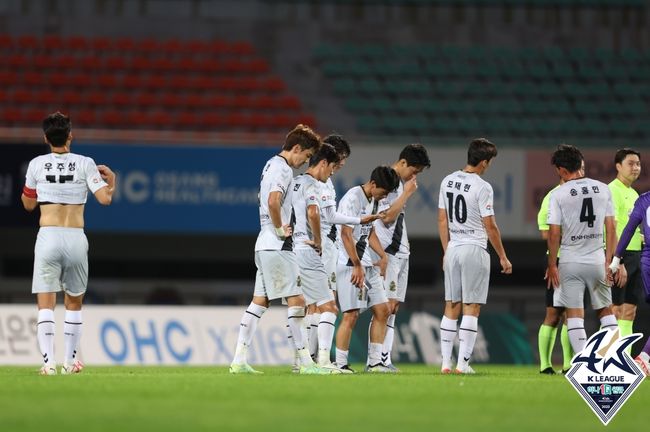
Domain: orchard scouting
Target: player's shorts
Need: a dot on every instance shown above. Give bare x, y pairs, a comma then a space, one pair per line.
467, 274
630, 292
351, 298
313, 280
277, 274
60, 261
574, 278
645, 275
330, 258
396, 278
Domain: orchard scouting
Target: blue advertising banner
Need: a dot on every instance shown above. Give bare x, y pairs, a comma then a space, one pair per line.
179, 189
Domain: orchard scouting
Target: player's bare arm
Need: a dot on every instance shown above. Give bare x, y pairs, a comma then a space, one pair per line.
611, 241
494, 235
313, 218
375, 244
397, 206
275, 212
105, 195
553, 244
358, 274
443, 231
28, 202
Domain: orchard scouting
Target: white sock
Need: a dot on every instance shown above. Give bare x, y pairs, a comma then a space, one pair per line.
448, 329
295, 318
45, 334
467, 338
71, 334
609, 322
577, 333
341, 357
247, 328
374, 354
325, 334
314, 339
292, 346
369, 327
387, 348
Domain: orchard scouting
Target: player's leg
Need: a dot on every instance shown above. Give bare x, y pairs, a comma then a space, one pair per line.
74, 281
475, 279
45, 330
570, 295
351, 300
627, 313
46, 282
312, 320
601, 298
567, 351
547, 334
396, 292
326, 326
453, 297
378, 303
249, 321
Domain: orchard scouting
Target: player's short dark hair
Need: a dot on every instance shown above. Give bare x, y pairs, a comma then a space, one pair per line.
623, 153
415, 155
568, 157
385, 177
480, 149
340, 144
325, 152
303, 136
57, 128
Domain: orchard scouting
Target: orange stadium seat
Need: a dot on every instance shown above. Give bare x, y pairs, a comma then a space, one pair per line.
124, 44
84, 118
46, 97
173, 46
53, 42
44, 61
66, 61
8, 78
121, 99
28, 42
147, 46
34, 78
115, 63
95, 98
101, 44
22, 96
12, 115
106, 80
80, 43
146, 99
6, 42
170, 100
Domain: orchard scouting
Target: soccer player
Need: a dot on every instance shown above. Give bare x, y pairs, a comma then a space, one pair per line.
578, 210
640, 216
466, 222
329, 219
314, 281
391, 231
553, 318
359, 282
59, 182
625, 298
277, 271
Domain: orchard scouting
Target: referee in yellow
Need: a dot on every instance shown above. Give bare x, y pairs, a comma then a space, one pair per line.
625, 298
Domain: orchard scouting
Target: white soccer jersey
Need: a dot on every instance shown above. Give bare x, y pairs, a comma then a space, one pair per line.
467, 198
276, 177
305, 192
327, 199
355, 203
579, 207
393, 237
63, 178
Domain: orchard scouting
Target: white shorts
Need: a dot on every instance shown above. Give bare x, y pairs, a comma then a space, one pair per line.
277, 274
313, 280
330, 258
467, 274
351, 298
60, 261
574, 278
396, 279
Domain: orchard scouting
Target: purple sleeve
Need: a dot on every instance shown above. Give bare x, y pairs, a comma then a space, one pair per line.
633, 222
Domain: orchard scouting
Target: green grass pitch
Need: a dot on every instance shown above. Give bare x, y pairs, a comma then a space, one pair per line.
122, 399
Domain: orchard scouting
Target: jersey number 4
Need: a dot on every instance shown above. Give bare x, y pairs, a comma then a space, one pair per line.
587, 212
62, 178
457, 208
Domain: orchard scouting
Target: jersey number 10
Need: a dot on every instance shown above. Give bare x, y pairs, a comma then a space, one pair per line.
457, 209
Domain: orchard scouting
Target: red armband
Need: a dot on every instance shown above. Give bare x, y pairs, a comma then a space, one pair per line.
29, 193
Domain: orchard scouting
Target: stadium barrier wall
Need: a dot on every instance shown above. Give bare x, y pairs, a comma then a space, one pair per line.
207, 335
186, 189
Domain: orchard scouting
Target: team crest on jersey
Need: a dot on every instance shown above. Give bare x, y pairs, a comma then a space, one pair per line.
392, 286
604, 374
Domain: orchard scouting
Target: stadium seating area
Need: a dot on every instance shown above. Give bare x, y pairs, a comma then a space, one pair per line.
143, 84
431, 90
